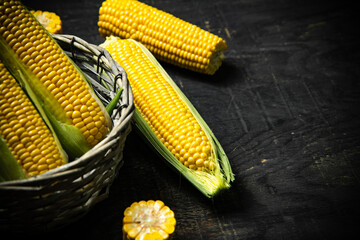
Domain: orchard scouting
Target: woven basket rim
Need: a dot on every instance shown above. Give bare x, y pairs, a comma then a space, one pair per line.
121, 116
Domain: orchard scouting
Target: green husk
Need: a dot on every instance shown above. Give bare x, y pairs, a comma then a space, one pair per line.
10, 169
112, 104
209, 183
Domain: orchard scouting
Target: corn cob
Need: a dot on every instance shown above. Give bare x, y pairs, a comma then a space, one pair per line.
169, 121
51, 22
24, 131
169, 38
148, 220
76, 114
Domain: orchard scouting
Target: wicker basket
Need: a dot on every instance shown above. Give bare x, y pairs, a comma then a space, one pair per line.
64, 195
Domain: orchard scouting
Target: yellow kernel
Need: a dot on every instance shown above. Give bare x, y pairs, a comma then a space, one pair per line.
28, 164
192, 150
90, 138
42, 167
83, 109
51, 86
86, 133
53, 165
85, 115
98, 136
76, 114
20, 130
93, 129
178, 148
88, 120
25, 140
79, 125
13, 139
191, 160
64, 103
199, 162
192, 166
211, 165
77, 120
187, 146
182, 152
85, 99
196, 155
35, 152
19, 148
68, 107
77, 102
72, 97
69, 114
98, 123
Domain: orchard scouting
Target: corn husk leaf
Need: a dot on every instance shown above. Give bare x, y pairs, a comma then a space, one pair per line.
112, 104
10, 169
209, 183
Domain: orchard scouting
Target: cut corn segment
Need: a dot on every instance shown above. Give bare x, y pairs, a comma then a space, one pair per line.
29, 52
24, 131
148, 220
51, 21
169, 38
169, 121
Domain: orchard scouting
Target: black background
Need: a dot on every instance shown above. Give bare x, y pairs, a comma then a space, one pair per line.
284, 106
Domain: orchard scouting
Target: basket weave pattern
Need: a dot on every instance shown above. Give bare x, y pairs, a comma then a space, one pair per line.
65, 194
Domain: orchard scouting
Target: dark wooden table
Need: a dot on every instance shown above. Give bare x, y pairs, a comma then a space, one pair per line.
284, 105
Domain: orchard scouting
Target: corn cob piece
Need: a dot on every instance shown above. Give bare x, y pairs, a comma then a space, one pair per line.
169, 38
24, 131
51, 21
169, 121
78, 117
148, 220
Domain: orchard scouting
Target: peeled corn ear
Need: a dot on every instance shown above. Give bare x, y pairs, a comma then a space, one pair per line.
150, 220
169, 38
169, 121
26, 139
34, 58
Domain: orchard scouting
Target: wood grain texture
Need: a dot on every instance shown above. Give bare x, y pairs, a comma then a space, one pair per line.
284, 105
